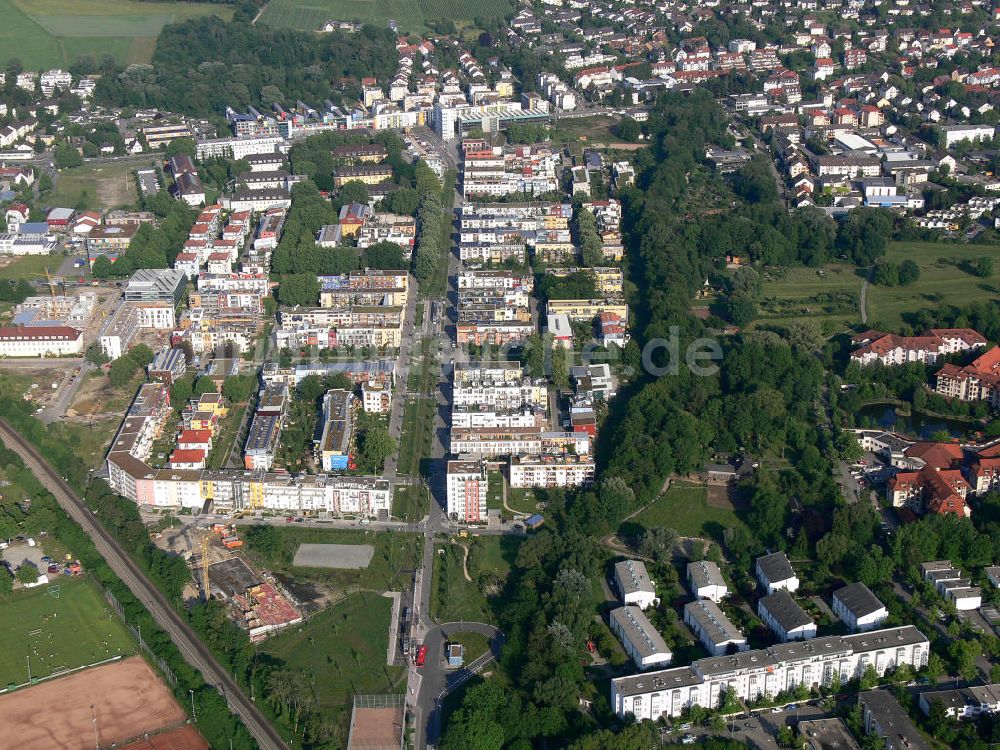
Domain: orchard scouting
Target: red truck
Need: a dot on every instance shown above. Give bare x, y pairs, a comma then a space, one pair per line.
421, 656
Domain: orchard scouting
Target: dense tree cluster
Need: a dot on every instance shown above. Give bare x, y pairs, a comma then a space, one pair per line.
151, 247
204, 65
433, 233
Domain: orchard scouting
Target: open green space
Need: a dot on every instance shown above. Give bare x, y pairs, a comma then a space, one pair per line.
396, 555
410, 503
90, 440
453, 598
97, 185
494, 497
310, 15
946, 277
30, 267
228, 433
415, 440
828, 295
585, 130
474, 645
339, 653
57, 633
522, 499
56, 33
685, 508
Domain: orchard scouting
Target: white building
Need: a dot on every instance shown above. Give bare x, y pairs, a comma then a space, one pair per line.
785, 617
858, 608
953, 134
376, 398
40, 341
467, 487
562, 470
634, 585
775, 572
706, 581
964, 702
643, 644
711, 626
766, 672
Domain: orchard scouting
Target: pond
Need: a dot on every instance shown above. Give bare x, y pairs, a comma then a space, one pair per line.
915, 424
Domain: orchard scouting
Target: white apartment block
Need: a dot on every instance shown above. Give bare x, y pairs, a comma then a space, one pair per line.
785, 617
706, 581
775, 573
643, 644
634, 585
565, 470
815, 663
858, 608
40, 341
711, 626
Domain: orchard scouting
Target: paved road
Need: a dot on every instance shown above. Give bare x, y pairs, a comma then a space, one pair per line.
67, 390
190, 646
437, 681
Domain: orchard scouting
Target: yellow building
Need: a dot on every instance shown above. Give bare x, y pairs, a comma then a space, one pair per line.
586, 309
370, 174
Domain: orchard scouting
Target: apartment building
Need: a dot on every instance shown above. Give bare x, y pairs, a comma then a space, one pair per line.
642, 643
977, 381
815, 663
786, 619
884, 717
711, 626
333, 450
566, 470
890, 349
858, 608
966, 702
775, 573
634, 586
467, 490
586, 310
705, 580
40, 341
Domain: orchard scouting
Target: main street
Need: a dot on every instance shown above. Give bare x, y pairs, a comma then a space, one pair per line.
192, 649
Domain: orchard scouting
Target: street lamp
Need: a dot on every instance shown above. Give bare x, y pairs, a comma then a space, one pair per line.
193, 714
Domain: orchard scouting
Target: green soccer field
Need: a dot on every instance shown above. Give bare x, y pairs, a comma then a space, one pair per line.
55, 634
411, 15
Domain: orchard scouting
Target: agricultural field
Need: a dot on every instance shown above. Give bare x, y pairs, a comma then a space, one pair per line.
340, 652
97, 185
828, 295
57, 632
946, 277
55, 33
310, 15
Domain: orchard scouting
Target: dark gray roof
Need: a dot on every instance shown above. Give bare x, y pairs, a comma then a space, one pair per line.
784, 609
666, 679
891, 720
907, 635
775, 567
858, 599
639, 631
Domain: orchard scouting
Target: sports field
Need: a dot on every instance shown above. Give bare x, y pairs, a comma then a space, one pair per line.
95, 707
310, 15
53, 33
54, 634
946, 277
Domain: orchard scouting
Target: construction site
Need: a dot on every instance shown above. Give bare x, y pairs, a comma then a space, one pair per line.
257, 601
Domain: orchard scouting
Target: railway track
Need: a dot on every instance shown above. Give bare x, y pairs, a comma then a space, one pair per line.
186, 640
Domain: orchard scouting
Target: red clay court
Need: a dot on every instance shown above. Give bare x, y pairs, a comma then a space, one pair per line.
182, 738
127, 697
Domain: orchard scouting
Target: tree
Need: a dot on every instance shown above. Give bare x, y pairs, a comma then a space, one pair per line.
238, 388
202, 385
984, 267
376, 445
909, 272
657, 543
298, 289
385, 256
141, 354
629, 129
740, 310
181, 146
424, 179
103, 268
95, 355
560, 367
886, 274
354, 191
265, 541
180, 391
66, 155
121, 371
6, 581
27, 573
869, 678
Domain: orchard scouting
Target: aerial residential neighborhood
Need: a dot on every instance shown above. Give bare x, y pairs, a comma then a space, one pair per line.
550, 374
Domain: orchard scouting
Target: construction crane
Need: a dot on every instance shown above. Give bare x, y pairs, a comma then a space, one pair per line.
205, 586
48, 278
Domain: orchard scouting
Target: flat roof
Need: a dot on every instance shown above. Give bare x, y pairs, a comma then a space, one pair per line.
666, 679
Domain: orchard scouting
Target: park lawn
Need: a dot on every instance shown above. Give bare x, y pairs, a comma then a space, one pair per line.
522, 500
829, 295
29, 267
396, 556
684, 508
340, 652
945, 278
97, 185
454, 599
493, 554
494, 496
56, 33
597, 129
57, 633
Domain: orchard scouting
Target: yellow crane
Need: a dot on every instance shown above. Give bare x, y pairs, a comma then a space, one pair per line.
48, 278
